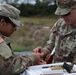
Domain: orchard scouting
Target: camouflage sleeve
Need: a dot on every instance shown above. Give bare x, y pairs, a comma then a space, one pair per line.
53, 31
74, 61
53, 34
72, 56
15, 64
51, 42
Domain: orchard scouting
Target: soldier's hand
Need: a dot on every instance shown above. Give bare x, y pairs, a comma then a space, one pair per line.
41, 62
74, 61
39, 51
38, 60
37, 57
59, 58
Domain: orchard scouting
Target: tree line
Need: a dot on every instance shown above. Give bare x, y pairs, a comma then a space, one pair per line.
44, 8
37, 9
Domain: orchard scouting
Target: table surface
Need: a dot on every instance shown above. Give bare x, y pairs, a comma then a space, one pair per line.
37, 70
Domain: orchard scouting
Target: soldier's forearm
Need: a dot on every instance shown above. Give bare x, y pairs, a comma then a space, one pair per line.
47, 50
16, 64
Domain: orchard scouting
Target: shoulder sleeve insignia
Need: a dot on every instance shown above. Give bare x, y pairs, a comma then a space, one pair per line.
1, 40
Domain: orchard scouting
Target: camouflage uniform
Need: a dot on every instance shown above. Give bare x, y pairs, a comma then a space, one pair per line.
65, 6
13, 64
63, 37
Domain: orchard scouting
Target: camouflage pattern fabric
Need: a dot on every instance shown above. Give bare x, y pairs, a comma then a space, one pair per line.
63, 37
13, 64
66, 3
65, 6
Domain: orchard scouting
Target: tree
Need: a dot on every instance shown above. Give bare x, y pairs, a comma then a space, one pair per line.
38, 1
16, 1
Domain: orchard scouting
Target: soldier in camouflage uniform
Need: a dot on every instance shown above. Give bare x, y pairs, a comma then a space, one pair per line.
11, 64
63, 34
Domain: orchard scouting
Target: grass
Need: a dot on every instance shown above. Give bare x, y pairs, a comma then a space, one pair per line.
17, 48
38, 21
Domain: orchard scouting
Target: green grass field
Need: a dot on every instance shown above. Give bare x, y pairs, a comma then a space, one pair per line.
37, 21
42, 21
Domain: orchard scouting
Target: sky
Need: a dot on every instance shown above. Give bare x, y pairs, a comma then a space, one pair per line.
24, 1
27, 1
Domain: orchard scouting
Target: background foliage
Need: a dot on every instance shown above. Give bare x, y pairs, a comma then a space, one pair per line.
36, 18
41, 8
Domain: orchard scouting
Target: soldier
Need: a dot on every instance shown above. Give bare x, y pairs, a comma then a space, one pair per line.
63, 34
11, 64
